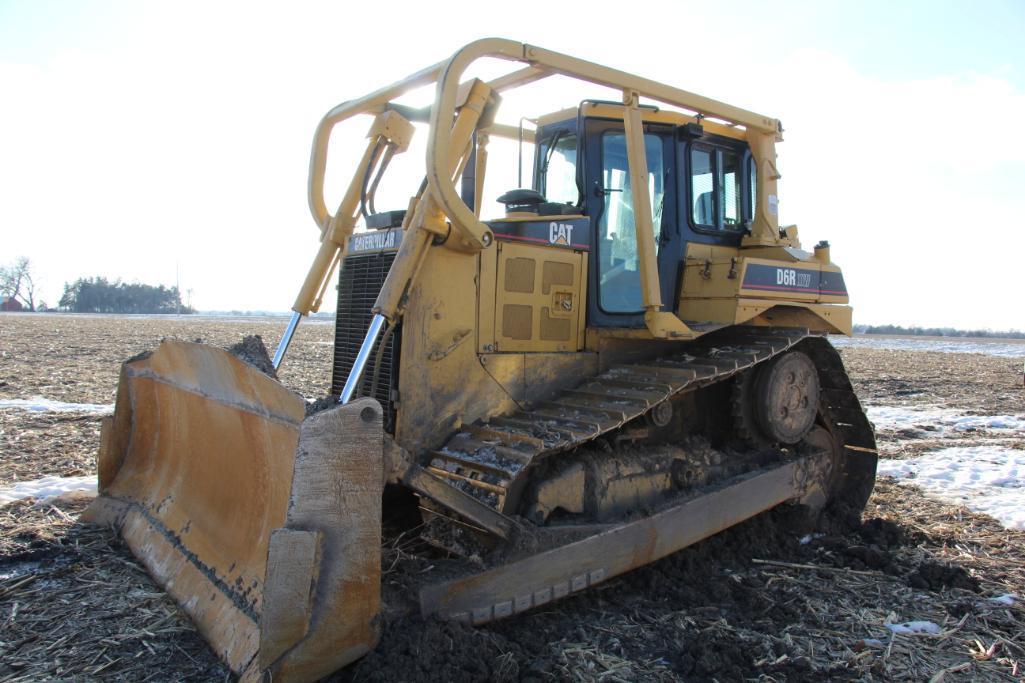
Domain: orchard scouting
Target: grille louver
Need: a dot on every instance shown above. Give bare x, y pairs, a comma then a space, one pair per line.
359, 283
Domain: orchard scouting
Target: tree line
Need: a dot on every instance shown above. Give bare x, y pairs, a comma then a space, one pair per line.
100, 295
88, 295
937, 331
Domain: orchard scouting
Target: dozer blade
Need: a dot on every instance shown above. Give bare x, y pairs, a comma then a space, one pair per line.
263, 525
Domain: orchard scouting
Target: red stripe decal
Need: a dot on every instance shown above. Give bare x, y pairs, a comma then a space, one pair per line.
795, 289
783, 289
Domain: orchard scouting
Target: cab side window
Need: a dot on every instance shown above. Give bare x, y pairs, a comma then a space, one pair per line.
702, 187
716, 188
730, 190
558, 169
752, 185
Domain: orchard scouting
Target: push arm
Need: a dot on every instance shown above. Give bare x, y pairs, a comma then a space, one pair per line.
390, 134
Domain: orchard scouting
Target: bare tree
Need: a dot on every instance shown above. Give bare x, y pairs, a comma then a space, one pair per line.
17, 282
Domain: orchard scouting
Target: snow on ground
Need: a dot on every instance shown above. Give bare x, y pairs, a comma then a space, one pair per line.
42, 405
1005, 349
987, 479
942, 419
915, 628
46, 487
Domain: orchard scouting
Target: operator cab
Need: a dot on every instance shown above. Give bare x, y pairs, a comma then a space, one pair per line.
701, 185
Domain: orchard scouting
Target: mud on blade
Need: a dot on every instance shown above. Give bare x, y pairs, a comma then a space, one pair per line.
265, 527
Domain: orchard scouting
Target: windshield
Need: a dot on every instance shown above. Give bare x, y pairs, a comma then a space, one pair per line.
557, 176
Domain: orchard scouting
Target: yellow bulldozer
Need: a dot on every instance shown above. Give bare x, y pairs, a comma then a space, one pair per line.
631, 358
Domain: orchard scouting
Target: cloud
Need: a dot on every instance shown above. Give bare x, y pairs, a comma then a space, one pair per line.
908, 179
179, 140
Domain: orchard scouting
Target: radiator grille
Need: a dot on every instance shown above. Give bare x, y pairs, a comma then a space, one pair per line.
359, 283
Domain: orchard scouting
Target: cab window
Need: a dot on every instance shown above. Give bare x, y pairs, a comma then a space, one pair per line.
729, 190
752, 185
619, 267
558, 169
716, 189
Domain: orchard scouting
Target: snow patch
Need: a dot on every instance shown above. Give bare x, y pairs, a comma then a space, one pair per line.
1005, 599
941, 419
42, 405
914, 628
947, 345
47, 487
986, 479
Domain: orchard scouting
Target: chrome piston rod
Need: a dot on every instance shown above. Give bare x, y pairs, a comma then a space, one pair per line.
286, 339
360, 365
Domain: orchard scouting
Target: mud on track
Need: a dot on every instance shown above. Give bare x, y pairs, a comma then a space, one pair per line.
750, 603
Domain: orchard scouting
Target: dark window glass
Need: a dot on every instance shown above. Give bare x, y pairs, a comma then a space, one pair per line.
702, 187
619, 266
716, 189
753, 186
559, 170
729, 189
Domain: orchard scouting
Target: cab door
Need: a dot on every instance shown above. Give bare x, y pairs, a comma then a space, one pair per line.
615, 280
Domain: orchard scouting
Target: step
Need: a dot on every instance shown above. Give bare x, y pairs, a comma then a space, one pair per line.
566, 434
603, 419
474, 448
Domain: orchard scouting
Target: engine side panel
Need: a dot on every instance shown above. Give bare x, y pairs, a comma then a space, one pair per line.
772, 286
444, 382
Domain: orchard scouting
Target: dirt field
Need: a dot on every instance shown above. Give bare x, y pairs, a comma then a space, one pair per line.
750, 604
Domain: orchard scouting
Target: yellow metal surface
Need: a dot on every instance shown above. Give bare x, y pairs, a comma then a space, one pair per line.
540, 63
441, 212
767, 312
605, 110
264, 524
449, 375
634, 132
712, 290
539, 300
389, 128
428, 222
765, 227
207, 460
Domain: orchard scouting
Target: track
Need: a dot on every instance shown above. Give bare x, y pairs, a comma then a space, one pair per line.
490, 460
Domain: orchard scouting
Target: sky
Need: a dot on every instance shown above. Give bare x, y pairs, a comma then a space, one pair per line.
164, 142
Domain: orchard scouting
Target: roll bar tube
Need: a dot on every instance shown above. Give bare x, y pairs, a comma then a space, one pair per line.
540, 63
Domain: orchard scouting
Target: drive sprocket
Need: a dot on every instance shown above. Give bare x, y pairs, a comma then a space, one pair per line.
776, 402
787, 397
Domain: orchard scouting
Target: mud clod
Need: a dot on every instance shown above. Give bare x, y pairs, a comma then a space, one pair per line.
416, 649
252, 350
321, 404
884, 533
937, 576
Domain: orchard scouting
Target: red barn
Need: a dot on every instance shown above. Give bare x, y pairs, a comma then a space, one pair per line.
10, 304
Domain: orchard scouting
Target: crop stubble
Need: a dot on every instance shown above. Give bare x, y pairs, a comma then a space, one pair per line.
751, 603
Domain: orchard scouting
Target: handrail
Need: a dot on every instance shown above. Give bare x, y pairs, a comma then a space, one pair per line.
346, 110
540, 63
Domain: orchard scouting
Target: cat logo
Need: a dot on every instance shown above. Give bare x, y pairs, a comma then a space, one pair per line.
560, 233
